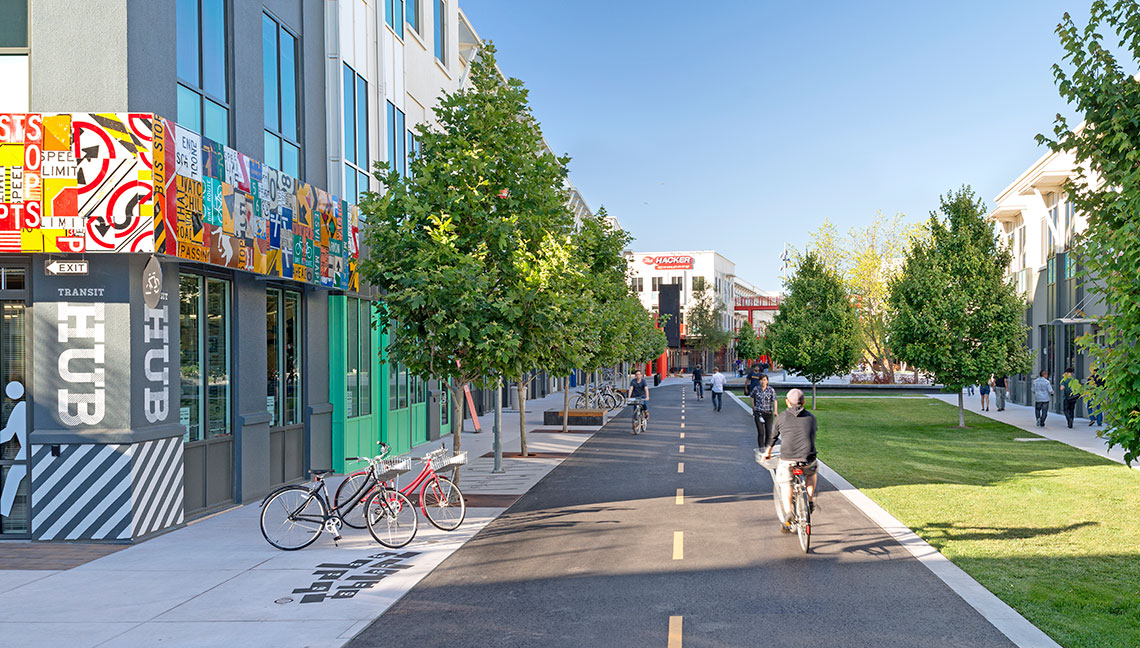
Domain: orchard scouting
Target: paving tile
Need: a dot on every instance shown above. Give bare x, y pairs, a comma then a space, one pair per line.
294, 633
27, 634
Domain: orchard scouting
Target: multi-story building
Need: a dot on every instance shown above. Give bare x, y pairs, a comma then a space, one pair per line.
753, 305
691, 272
183, 328
1038, 224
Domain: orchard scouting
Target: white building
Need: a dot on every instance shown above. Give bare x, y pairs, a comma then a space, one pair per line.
691, 270
753, 305
1039, 225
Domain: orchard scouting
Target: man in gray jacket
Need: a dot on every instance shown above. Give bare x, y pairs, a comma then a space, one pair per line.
1042, 395
796, 426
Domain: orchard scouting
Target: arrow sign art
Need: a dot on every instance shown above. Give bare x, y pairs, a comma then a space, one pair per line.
72, 268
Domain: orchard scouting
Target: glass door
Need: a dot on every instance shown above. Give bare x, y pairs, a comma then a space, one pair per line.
205, 404
283, 385
418, 416
14, 481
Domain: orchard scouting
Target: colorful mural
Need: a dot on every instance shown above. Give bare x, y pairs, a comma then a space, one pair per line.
134, 182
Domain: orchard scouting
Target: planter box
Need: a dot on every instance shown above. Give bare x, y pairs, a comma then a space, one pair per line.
577, 417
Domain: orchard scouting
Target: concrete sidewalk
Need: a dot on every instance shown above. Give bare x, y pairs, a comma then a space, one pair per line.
217, 581
1082, 436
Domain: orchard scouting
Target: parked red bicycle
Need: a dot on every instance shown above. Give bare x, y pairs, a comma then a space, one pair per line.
441, 501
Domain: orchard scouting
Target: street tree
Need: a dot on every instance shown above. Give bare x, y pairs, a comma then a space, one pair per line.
956, 314
814, 333
598, 246
457, 246
706, 329
1103, 90
748, 346
867, 259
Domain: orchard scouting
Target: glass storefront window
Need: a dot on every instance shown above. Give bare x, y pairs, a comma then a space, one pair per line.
282, 338
292, 358
204, 329
14, 482
190, 335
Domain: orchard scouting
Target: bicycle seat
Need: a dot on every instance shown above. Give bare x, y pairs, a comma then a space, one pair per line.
317, 472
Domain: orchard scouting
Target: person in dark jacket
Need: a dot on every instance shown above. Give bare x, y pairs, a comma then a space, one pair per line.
1070, 394
752, 379
764, 410
796, 426
699, 382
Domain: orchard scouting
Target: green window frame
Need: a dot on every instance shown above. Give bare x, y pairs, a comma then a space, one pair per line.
358, 357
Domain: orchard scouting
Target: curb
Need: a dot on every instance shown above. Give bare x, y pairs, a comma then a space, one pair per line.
1007, 620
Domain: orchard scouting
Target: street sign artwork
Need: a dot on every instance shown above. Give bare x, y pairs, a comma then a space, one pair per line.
133, 182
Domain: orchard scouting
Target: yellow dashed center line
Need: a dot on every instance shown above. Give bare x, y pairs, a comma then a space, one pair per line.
680, 496
680, 466
678, 545
682, 435
674, 632
682, 450
682, 426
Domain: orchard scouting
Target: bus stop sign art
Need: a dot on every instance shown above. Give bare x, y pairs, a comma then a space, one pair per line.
134, 182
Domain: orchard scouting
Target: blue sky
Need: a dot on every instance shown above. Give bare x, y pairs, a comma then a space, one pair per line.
740, 125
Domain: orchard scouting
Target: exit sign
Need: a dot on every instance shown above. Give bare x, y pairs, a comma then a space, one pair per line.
70, 268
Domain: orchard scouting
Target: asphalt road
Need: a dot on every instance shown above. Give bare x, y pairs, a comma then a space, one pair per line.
588, 558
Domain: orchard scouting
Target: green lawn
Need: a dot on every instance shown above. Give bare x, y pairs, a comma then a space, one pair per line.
1051, 530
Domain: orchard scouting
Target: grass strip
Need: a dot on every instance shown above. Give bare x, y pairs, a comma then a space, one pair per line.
1051, 530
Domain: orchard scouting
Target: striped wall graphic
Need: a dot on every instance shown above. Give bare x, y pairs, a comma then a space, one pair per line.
156, 480
85, 492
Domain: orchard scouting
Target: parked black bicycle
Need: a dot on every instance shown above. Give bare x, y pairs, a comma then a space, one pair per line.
292, 517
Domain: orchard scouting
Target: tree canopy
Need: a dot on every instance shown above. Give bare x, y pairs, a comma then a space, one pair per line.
1106, 146
956, 314
815, 332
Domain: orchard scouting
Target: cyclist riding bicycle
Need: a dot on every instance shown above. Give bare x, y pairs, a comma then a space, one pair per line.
797, 426
639, 389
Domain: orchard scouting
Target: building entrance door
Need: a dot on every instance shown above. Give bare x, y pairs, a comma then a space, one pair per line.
283, 386
399, 435
205, 406
15, 483
418, 418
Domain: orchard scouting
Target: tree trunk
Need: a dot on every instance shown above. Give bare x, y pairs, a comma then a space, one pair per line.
457, 415
587, 390
566, 404
522, 416
961, 409
813, 396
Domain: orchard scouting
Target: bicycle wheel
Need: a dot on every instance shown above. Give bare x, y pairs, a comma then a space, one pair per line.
778, 500
292, 518
579, 401
636, 419
615, 402
391, 518
352, 512
442, 503
803, 518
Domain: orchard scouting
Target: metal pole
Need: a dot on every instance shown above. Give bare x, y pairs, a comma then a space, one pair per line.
499, 427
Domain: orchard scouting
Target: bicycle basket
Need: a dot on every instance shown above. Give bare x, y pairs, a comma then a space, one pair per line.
439, 463
390, 469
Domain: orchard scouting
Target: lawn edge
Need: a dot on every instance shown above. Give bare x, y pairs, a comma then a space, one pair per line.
1007, 620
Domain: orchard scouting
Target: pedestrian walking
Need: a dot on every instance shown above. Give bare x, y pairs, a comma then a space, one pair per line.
1095, 413
699, 382
984, 390
753, 378
1042, 396
1000, 386
717, 381
764, 410
1070, 394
